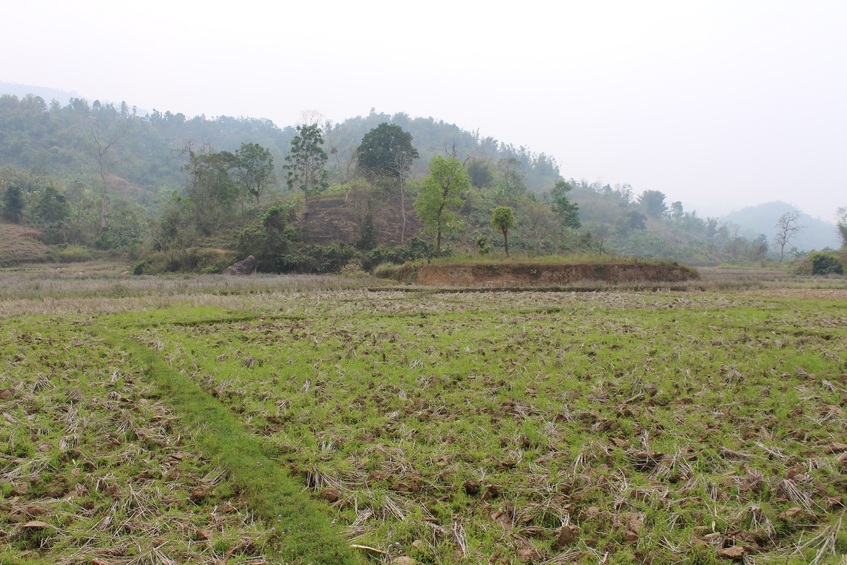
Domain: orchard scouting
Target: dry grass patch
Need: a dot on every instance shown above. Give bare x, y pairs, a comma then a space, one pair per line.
21, 244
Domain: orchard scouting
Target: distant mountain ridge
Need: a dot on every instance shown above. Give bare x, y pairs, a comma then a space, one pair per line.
44, 92
762, 218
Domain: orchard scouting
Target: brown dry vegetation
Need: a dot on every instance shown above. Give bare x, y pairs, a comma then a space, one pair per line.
21, 244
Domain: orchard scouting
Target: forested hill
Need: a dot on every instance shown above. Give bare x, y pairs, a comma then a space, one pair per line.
98, 177
148, 149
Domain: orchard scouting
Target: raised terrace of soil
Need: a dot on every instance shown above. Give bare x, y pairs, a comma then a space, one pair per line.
539, 274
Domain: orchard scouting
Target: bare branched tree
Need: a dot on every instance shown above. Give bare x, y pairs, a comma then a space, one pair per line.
787, 227
104, 154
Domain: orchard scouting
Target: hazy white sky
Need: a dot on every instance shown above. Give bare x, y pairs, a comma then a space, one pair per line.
719, 104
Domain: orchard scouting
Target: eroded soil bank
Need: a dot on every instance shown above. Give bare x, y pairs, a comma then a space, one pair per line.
539, 274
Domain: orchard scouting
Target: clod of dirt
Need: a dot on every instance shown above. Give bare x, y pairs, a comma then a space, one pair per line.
35, 525
634, 525
491, 491
471, 487
202, 535
331, 495
644, 460
796, 514
736, 552
567, 536
403, 560
833, 502
198, 493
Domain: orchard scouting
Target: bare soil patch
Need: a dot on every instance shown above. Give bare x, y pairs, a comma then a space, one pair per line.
540, 274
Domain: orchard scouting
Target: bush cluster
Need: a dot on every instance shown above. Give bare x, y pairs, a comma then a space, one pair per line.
822, 263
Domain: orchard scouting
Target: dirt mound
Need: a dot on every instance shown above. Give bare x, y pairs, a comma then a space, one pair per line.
540, 274
20, 244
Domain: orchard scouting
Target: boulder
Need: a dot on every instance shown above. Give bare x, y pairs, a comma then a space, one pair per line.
245, 267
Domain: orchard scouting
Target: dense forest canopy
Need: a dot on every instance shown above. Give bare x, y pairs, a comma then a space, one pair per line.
315, 197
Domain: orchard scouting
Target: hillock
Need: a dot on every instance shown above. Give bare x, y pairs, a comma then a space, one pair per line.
498, 274
20, 244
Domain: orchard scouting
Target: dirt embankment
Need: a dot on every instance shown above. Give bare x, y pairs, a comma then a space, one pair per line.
539, 274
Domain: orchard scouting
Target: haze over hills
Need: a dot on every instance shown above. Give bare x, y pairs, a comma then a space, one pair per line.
819, 230
762, 218
48, 94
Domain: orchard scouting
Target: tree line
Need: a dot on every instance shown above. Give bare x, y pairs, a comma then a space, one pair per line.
110, 179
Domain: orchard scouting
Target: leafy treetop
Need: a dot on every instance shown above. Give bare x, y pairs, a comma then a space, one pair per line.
386, 151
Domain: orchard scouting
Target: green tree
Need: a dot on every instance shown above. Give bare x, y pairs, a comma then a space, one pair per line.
632, 220
438, 201
254, 169
511, 182
211, 190
480, 173
13, 204
653, 202
385, 156
386, 151
52, 207
306, 162
52, 212
503, 219
567, 210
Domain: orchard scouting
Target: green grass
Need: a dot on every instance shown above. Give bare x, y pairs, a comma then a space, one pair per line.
450, 427
302, 532
652, 408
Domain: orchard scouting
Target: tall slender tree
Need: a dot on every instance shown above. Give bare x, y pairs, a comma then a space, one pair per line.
105, 142
306, 162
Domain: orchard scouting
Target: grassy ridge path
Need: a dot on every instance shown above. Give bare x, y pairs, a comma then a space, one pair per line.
304, 533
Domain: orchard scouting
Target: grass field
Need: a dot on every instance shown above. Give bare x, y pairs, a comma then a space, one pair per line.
323, 420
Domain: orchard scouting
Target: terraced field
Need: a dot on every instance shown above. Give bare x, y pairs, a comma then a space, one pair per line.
285, 420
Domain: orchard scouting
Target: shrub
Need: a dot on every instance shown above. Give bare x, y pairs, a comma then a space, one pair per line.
317, 259
74, 254
821, 263
191, 260
825, 264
